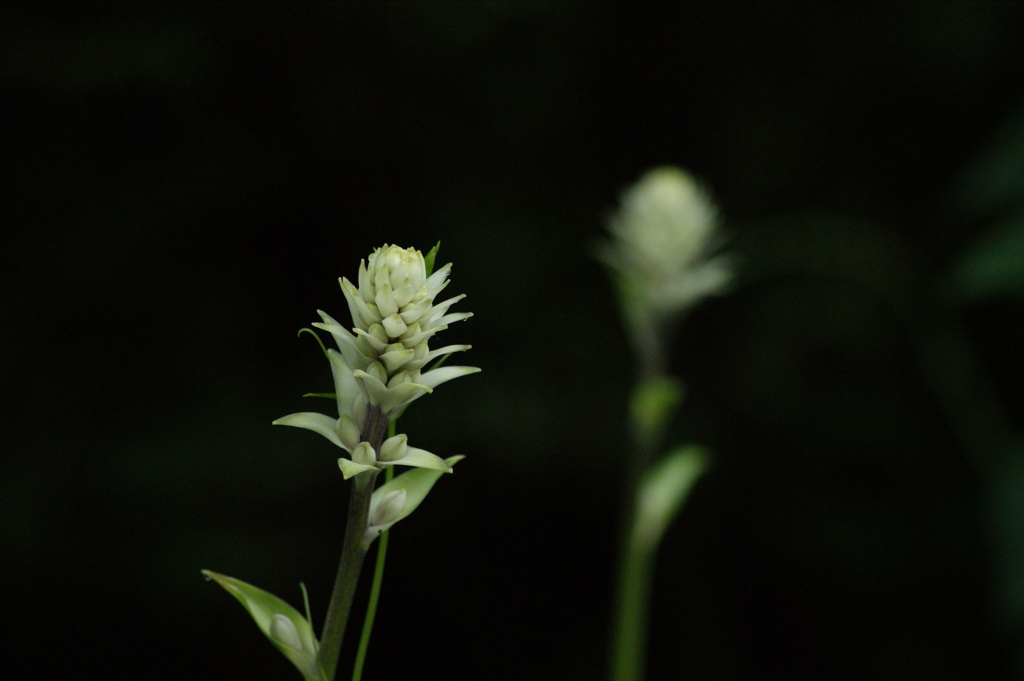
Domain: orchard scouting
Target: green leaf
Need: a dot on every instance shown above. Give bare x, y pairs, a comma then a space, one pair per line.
652, 404
994, 181
282, 624
661, 493
994, 266
332, 396
313, 333
398, 498
429, 258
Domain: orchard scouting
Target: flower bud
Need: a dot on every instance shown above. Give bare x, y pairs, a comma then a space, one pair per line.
284, 632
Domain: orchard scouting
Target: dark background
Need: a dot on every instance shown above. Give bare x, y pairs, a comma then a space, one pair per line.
183, 186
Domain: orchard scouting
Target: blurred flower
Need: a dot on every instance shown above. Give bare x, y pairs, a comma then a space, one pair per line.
662, 251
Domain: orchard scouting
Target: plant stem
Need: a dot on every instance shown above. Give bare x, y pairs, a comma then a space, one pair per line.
352, 550
629, 651
352, 554
635, 564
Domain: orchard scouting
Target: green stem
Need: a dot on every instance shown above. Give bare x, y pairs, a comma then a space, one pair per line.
352, 555
635, 564
371, 607
629, 644
352, 550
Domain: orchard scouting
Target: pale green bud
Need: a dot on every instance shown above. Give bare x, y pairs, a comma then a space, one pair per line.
388, 510
284, 632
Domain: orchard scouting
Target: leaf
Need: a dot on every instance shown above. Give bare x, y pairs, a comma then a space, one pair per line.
287, 630
652, 404
428, 260
994, 265
313, 333
661, 493
995, 180
410, 489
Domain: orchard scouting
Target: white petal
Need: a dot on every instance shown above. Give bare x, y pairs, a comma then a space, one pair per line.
440, 308
419, 458
438, 280
386, 304
444, 321
441, 375
376, 343
364, 455
415, 311
345, 386
365, 290
393, 448
348, 431
394, 325
375, 388
404, 293
318, 423
362, 314
350, 468
396, 359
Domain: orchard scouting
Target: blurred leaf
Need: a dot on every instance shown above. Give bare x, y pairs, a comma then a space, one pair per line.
1006, 515
867, 254
994, 266
662, 492
652, 405
995, 180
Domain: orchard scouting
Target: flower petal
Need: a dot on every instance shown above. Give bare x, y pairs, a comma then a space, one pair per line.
419, 458
437, 281
362, 314
443, 374
318, 423
351, 468
389, 399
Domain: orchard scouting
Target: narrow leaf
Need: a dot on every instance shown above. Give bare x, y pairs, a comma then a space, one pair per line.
282, 624
661, 494
429, 258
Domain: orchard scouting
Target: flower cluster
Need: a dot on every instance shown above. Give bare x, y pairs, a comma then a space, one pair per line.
662, 253
379, 365
663, 245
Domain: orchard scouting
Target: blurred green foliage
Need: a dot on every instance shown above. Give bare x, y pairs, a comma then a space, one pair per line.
185, 184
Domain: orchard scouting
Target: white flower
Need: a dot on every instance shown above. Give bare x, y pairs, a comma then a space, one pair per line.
664, 238
378, 368
394, 318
